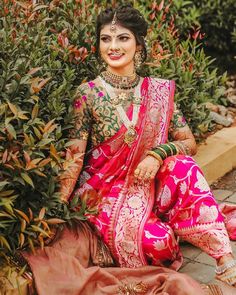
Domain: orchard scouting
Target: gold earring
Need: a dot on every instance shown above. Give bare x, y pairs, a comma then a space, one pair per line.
138, 59
102, 62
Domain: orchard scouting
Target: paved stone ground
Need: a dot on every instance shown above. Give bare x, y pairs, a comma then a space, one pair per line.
197, 264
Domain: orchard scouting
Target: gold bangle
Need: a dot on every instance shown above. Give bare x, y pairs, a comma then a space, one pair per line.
163, 151
156, 156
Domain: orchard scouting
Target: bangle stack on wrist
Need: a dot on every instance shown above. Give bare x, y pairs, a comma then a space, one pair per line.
163, 151
166, 150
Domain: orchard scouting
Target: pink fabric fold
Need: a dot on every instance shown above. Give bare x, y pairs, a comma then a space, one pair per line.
229, 213
65, 268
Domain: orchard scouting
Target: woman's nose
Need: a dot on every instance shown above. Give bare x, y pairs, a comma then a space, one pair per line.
114, 44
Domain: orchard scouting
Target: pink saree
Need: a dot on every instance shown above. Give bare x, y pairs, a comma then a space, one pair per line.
139, 221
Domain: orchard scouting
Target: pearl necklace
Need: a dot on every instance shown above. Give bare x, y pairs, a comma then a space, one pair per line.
131, 133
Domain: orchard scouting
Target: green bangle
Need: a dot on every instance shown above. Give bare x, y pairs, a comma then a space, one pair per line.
166, 150
174, 149
170, 151
167, 147
162, 152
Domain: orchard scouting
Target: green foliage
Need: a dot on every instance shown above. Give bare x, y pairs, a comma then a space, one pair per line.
42, 55
217, 20
46, 51
180, 57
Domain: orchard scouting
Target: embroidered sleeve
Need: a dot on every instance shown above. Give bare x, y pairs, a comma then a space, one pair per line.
78, 135
178, 120
82, 113
181, 135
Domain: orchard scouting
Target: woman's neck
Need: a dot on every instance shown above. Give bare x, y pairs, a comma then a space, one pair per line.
121, 72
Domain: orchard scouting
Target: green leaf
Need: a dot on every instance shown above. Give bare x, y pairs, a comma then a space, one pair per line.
27, 178
11, 130
6, 193
4, 242
3, 183
40, 230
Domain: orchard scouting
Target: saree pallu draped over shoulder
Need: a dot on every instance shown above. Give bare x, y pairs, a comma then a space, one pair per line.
126, 205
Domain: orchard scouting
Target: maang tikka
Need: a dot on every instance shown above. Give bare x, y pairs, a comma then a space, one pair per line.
113, 24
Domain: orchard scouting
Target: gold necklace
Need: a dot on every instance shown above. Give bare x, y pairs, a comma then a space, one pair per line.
121, 82
131, 133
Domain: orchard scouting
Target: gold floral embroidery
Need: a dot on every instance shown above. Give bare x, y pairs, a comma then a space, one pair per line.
183, 187
212, 238
128, 223
159, 245
133, 289
84, 135
165, 196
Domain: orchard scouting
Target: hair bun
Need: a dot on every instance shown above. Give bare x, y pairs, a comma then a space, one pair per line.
108, 10
124, 6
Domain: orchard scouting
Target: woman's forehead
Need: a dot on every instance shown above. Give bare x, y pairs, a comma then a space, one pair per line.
106, 30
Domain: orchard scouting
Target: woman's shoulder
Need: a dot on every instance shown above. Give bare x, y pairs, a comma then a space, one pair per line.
87, 90
87, 86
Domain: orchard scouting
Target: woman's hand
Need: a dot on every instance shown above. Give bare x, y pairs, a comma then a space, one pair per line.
147, 169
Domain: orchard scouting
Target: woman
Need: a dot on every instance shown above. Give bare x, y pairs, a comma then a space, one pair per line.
152, 192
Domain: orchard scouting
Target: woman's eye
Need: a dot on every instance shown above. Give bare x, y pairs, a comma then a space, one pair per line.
124, 38
105, 39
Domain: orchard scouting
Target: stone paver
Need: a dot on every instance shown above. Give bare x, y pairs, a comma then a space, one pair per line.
198, 264
216, 156
189, 251
232, 198
202, 273
221, 194
205, 259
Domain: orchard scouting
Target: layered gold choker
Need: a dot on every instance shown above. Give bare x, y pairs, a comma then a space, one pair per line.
120, 82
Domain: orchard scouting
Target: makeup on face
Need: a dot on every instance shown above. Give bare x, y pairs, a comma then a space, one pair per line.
118, 48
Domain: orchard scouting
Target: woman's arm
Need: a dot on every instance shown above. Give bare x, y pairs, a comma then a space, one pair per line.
78, 142
182, 135
72, 168
182, 142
